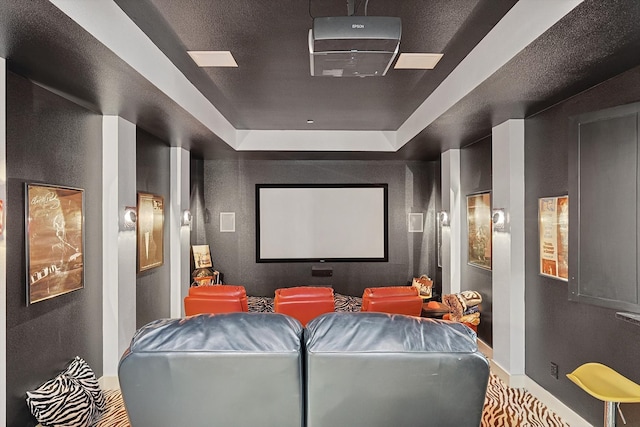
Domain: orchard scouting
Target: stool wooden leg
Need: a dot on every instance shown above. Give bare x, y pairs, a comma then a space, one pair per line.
609, 414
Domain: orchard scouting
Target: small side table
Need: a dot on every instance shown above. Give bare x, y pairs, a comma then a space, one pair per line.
434, 309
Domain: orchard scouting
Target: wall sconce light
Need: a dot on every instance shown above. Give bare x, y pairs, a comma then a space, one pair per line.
186, 217
129, 217
444, 218
499, 219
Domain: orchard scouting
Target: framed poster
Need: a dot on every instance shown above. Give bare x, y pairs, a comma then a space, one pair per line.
201, 256
553, 225
54, 228
479, 230
150, 231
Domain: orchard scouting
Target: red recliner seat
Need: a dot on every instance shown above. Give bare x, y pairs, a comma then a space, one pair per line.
304, 302
392, 299
215, 299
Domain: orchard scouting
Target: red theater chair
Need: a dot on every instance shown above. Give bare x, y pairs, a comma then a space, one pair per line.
392, 299
304, 302
215, 299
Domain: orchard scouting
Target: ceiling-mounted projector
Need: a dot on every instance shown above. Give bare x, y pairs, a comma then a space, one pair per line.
353, 46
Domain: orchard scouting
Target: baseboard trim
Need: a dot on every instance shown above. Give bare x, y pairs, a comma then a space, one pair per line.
109, 383
555, 405
550, 401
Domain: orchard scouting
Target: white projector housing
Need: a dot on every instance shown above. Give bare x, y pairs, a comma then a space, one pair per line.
353, 46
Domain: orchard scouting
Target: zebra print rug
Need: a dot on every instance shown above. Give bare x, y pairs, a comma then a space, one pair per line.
503, 407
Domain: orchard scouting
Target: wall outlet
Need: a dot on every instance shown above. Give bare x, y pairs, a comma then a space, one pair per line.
554, 370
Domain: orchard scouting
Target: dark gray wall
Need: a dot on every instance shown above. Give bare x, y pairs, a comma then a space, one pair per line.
54, 141
197, 207
475, 177
229, 186
153, 286
558, 330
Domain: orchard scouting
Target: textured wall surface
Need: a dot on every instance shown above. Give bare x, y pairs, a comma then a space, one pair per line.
50, 140
229, 186
153, 286
475, 177
558, 330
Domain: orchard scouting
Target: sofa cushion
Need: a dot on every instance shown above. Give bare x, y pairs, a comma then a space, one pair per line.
233, 369
395, 370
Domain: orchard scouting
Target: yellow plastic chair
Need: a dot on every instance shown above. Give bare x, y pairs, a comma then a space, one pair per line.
605, 384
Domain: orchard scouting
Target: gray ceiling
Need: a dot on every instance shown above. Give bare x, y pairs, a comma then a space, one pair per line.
272, 88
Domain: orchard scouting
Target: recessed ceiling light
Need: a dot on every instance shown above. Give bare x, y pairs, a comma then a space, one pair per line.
211, 58
418, 61
310, 121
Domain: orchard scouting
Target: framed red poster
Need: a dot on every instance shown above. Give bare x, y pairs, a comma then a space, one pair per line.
553, 224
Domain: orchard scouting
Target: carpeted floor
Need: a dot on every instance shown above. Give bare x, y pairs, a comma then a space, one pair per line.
503, 407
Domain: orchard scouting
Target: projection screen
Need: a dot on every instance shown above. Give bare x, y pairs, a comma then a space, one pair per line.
321, 222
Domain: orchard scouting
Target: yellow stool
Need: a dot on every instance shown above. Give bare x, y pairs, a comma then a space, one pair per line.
605, 384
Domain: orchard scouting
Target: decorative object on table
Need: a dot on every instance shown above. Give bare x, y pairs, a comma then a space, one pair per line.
201, 256
464, 306
205, 277
424, 285
479, 230
150, 231
553, 225
54, 240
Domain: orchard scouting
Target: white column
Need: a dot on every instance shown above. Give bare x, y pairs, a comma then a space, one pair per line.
3, 241
508, 250
179, 235
451, 244
119, 245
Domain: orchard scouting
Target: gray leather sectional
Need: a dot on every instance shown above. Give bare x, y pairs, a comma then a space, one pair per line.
265, 370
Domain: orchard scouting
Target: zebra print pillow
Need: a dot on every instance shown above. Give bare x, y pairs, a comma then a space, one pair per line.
81, 371
61, 402
73, 398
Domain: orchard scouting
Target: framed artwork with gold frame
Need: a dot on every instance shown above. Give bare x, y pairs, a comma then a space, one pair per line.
150, 228
54, 228
479, 230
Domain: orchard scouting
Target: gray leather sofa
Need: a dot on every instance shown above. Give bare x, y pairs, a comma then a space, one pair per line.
246, 370
234, 369
379, 370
